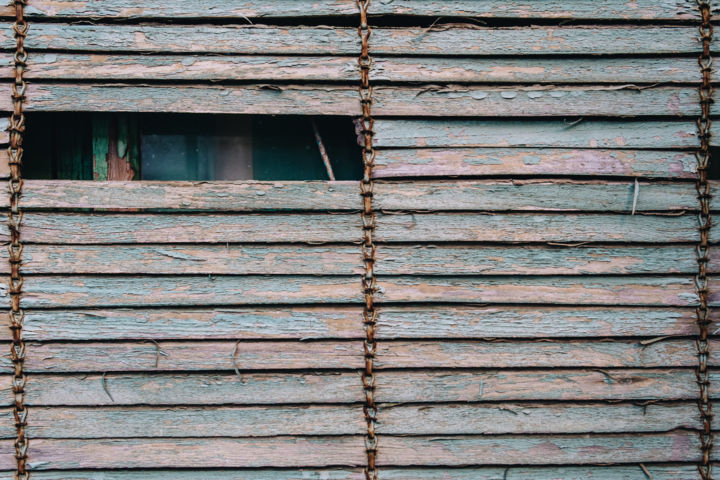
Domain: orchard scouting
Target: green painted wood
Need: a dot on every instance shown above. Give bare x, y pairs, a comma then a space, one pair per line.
437, 227
598, 101
498, 195
447, 419
129, 291
535, 134
633, 472
238, 9
467, 161
344, 260
228, 355
100, 145
251, 39
427, 321
73, 66
345, 387
681, 446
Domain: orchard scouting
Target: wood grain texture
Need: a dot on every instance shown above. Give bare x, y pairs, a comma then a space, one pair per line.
447, 419
632, 472
536, 134
281, 40
468, 161
345, 260
238, 9
77, 229
464, 195
130, 291
275, 452
425, 322
112, 67
541, 450
251, 356
337, 387
433, 101
680, 446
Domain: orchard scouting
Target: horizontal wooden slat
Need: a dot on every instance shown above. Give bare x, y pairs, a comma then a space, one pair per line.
524, 418
95, 291
345, 260
343, 322
465, 161
275, 452
562, 134
238, 9
228, 355
138, 228
282, 40
542, 450
461, 101
634, 472
392, 387
52, 66
678, 446
495, 195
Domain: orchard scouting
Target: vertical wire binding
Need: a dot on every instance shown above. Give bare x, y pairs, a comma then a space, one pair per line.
15, 153
369, 283
704, 223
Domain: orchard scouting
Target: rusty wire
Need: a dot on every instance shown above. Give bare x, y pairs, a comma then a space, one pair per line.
369, 283
704, 223
17, 316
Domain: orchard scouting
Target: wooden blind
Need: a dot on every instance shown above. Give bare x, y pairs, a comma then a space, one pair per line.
536, 223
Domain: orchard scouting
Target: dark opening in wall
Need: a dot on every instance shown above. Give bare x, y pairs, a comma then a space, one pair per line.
84, 146
714, 167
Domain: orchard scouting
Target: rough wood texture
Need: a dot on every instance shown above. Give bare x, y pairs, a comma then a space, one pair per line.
342, 322
282, 40
61, 66
631, 472
464, 161
452, 419
344, 260
437, 227
680, 446
557, 133
495, 195
239, 9
336, 387
608, 101
115, 149
228, 355
94, 291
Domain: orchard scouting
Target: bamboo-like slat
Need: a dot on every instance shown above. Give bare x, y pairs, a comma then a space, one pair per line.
538, 101
442, 419
345, 260
486, 195
659, 472
403, 386
239, 9
165, 291
465, 161
228, 355
350, 451
75, 228
283, 40
113, 67
537, 134
425, 322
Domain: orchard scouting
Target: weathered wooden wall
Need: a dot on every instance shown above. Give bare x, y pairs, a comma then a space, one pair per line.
536, 257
